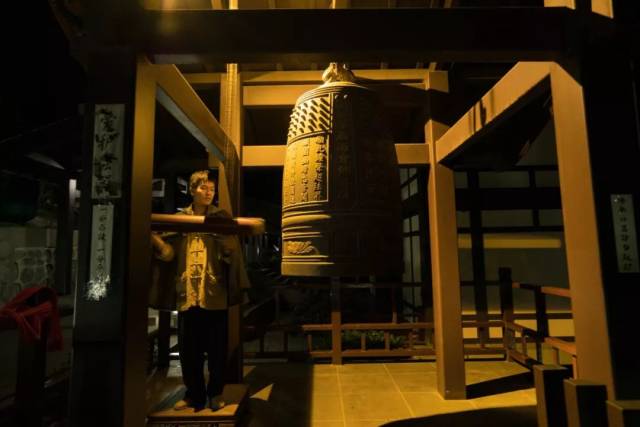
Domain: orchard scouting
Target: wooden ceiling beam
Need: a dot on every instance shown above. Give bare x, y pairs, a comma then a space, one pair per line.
601, 7
180, 99
511, 93
273, 96
458, 34
315, 77
405, 94
340, 4
198, 80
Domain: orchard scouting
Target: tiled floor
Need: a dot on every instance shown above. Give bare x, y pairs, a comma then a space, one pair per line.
373, 394
391, 394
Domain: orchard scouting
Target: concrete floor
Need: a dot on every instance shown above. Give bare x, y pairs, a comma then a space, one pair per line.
390, 394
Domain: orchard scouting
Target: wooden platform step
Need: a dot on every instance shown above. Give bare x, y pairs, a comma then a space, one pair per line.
235, 396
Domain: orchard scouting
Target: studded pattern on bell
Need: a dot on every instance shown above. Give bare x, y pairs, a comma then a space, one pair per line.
341, 212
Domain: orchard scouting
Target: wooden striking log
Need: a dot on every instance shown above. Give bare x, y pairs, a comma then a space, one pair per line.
199, 223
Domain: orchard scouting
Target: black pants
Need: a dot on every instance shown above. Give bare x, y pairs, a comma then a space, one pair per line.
202, 331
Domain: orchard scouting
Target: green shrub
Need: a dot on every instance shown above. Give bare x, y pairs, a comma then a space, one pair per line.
351, 340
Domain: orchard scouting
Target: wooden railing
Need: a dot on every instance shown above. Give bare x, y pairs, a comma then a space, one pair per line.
413, 333
515, 334
398, 338
411, 338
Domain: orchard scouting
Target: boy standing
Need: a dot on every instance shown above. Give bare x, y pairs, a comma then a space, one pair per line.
203, 297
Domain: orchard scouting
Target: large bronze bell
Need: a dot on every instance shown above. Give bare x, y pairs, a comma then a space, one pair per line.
340, 192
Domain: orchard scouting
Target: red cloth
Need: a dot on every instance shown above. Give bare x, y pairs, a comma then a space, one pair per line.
29, 311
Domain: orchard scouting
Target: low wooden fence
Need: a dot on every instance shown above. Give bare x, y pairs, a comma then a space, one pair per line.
398, 338
415, 335
517, 335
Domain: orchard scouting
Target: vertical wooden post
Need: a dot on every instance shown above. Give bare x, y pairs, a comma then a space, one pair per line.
232, 121
447, 311
477, 259
64, 238
394, 303
164, 316
506, 308
110, 332
586, 403
336, 322
139, 246
623, 413
542, 321
426, 288
596, 128
550, 395
533, 185
229, 176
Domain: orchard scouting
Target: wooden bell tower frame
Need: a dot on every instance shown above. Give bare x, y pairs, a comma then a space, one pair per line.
579, 50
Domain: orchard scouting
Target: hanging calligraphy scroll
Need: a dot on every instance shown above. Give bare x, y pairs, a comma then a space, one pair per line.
106, 185
108, 129
100, 264
624, 225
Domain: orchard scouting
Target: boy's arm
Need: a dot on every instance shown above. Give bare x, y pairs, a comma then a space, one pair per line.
163, 250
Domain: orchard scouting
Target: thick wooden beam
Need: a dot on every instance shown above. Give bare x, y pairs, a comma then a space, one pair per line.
594, 105
456, 34
601, 7
263, 155
478, 256
138, 246
412, 154
232, 122
550, 406
110, 322
187, 107
230, 180
203, 224
623, 413
524, 81
315, 76
198, 80
581, 230
586, 403
513, 241
273, 155
340, 4
273, 95
286, 95
443, 234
